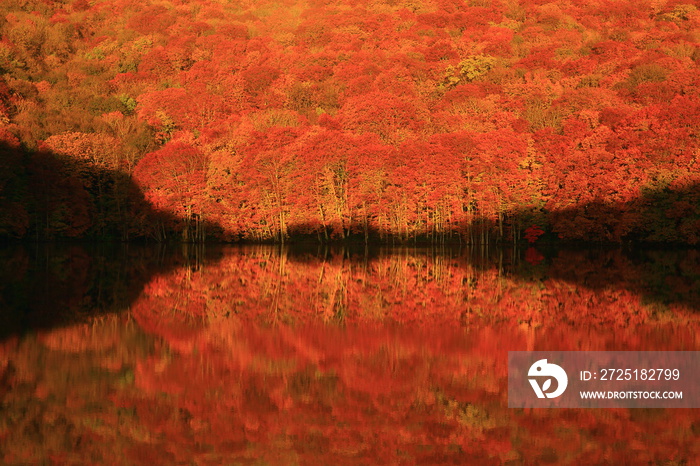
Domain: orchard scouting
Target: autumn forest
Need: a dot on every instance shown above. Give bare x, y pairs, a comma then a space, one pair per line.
470, 121
441, 182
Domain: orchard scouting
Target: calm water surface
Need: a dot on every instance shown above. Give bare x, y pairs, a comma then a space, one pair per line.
150, 355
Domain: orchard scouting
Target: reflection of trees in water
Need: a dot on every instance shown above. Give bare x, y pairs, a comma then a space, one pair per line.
601, 288
44, 286
334, 357
667, 280
314, 394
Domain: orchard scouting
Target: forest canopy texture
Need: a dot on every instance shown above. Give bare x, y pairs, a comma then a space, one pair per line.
482, 120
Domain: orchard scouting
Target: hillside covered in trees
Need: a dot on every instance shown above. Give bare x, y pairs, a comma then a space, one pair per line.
264, 120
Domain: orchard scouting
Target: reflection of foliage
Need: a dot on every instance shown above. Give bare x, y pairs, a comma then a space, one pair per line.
204, 370
51, 285
260, 285
107, 393
54, 393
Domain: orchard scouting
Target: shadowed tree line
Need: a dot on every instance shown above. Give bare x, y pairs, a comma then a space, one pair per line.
47, 196
664, 215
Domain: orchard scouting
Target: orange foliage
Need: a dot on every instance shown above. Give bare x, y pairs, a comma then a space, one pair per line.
389, 358
580, 117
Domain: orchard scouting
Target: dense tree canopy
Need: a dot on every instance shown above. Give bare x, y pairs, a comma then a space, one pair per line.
433, 119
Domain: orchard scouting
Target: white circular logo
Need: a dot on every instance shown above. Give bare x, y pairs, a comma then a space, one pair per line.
545, 372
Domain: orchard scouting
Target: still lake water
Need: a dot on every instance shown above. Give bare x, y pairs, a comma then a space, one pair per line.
257, 355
